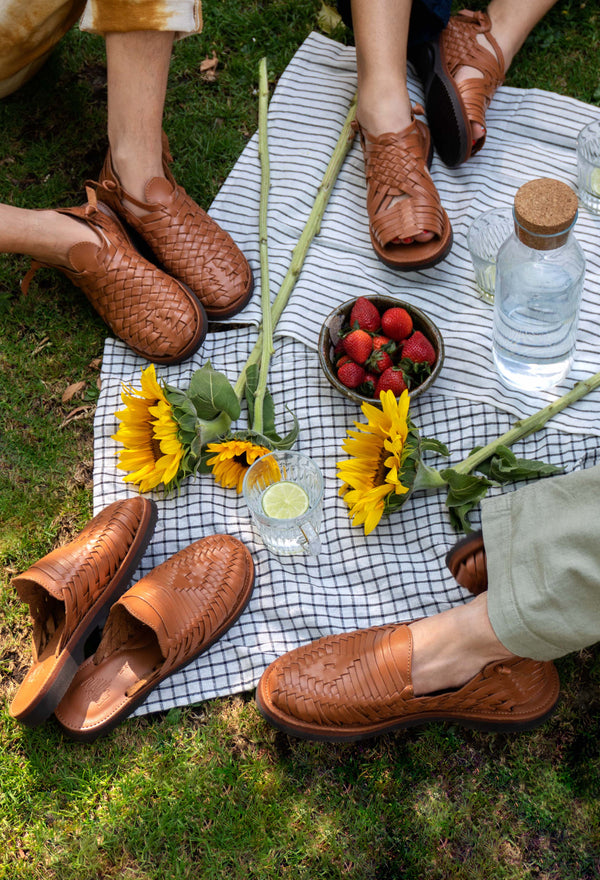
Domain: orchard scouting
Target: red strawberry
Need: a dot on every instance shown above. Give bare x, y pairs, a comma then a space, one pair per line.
391, 379
365, 315
368, 384
359, 345
351, 375
419, 349
380, 341
396, 323
339, 348
379, 361
345, 359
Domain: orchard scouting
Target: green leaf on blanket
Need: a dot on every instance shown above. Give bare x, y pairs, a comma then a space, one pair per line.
465, 491
211, 393
503, 467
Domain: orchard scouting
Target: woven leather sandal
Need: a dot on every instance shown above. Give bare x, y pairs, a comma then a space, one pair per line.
185, 240
402, 200
347, 687
453, 107
161, 624
468, 563
155, 315
69, 593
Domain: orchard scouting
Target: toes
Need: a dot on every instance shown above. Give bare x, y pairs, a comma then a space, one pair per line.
421, 237
477, 131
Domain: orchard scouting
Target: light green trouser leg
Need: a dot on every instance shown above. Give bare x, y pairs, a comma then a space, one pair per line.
543, 557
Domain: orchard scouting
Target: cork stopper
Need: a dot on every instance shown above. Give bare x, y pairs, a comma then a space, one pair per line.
544, 209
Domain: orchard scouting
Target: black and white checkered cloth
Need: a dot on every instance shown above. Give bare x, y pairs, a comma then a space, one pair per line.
398, 572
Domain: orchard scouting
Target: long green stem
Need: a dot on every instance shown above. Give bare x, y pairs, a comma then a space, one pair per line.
527, 426
312, 227
265, 298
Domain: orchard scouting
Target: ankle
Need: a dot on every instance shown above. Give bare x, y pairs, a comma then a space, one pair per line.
452, 647
51, 236
134, 170
382, 110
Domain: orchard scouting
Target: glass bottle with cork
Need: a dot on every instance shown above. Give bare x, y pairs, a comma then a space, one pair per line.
539, 279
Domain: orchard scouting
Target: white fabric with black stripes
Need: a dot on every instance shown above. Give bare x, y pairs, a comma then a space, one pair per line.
398, 572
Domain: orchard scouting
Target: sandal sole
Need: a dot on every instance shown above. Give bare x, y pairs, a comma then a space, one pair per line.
446, 113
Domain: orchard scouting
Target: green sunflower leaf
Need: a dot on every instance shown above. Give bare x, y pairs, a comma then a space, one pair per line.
503, 467
211, 393
430, 444
465, 491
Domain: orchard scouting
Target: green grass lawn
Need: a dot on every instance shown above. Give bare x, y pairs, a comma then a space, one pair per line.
212, 791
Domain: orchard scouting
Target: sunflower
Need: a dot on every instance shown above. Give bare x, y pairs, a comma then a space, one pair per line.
373, 475
232, 459
149, 433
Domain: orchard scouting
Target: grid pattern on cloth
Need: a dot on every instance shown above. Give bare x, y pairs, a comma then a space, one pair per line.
398, 572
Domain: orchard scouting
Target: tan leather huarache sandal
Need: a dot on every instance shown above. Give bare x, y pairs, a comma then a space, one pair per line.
402, 200
350, 686
459, 47
69, 593
161, 624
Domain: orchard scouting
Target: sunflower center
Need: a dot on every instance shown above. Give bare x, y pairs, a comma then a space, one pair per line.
156, 450
381, 471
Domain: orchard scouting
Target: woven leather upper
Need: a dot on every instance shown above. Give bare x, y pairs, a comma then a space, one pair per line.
459, 47
64, 585
189, 244
186, 601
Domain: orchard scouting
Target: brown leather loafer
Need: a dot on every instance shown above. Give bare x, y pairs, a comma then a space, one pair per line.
152, 313
160, 625
356, 685
185, 240
69, 593
468, 563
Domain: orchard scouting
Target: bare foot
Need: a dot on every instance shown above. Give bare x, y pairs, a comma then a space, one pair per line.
52, 235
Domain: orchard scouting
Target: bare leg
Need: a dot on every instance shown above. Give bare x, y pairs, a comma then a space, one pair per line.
138, 67
381, 36
512, 21
44, 235
453, 646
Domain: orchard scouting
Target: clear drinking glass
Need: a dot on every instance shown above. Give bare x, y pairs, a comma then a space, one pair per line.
588, 166
485, 237
286, 536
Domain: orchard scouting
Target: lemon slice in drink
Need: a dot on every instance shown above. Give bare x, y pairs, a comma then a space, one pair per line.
284, 500
595, 181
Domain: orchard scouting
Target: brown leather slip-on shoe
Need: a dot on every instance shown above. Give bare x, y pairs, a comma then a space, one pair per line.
468, 563
185, 240
69, 593
161, 624
355, 685
154, 314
